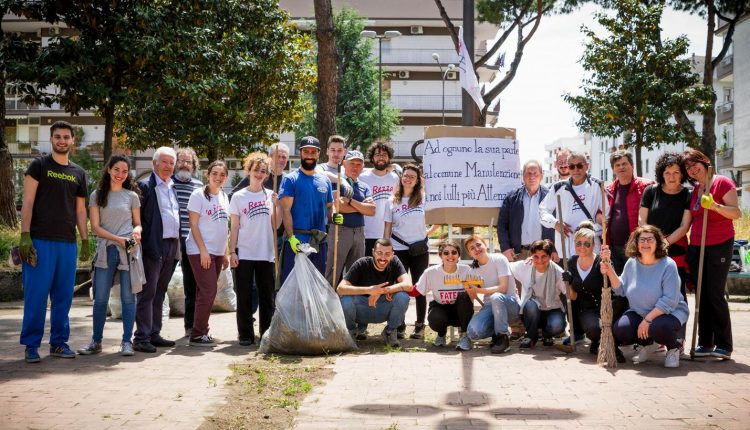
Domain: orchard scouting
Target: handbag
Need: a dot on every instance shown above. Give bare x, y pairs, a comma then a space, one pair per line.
417, 248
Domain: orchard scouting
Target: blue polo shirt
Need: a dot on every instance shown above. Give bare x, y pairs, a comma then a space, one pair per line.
361, 192
311, 197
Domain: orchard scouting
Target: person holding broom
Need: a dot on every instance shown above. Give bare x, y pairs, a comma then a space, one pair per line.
651, 284
586, 280
717, 197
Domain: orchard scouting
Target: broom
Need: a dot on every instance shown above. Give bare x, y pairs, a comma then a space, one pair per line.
606, 356
700, 265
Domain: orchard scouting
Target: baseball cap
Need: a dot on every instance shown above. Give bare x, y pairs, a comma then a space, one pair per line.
354, 155
309, 142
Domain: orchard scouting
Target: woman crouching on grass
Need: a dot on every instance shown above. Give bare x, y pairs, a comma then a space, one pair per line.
252, 226
206, 246
651, 283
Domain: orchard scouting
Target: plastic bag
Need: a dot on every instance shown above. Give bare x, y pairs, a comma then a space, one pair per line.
176, 293
226, 298
308, 318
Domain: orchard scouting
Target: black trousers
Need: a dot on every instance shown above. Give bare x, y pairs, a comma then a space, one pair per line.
416, 266
457, 314
590, 318
188, 285
262, 273
714, 323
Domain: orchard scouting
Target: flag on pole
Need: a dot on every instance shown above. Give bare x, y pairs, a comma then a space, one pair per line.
466, 66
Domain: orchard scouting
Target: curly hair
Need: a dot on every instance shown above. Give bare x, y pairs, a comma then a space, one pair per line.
417, 194
669, 159
379, 145
256, 158
105, 182
631, 248
446, 243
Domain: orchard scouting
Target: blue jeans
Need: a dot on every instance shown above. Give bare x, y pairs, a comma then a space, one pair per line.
498, 311
103, 279
552, 321
53, 277
357, 311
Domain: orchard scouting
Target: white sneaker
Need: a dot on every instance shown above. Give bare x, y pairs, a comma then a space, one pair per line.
439, 341
642, 353
673, 358
126, 349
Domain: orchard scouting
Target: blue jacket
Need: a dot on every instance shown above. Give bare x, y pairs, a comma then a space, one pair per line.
151, 238
511, 218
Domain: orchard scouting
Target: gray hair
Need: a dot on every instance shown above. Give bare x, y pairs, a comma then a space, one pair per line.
278, 146
193, 156
165, 150
526, 164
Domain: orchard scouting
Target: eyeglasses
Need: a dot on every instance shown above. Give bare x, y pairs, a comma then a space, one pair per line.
412, 177
447, 253
579, 166
184, 161
584, 244
646, 239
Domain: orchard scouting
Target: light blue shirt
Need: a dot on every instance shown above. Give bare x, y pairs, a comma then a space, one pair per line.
531, 226
656, 285
168, 208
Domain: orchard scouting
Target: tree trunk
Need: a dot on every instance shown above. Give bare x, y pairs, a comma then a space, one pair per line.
708, 142
327, 90
8, 214
638, 146
109, 125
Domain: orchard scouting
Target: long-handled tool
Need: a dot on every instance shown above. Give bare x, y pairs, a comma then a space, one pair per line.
707, 190
276, 262
564, 240
606, 356
336, 229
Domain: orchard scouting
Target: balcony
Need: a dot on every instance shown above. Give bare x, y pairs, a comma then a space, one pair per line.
725, 67
725, 112
15, 104
432, 103
401, 56
724, 158
29, 148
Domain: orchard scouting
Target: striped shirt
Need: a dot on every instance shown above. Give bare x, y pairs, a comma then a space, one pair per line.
183, 191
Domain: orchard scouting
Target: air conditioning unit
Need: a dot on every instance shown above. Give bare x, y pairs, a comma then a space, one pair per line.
451, 75
54, 31
403, 74
235, 164
416, 29
727, 107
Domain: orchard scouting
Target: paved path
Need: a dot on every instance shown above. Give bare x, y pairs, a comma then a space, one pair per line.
422, 390
538, 389
172, 389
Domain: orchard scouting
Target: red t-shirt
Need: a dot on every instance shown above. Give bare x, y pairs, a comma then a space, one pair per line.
720, 229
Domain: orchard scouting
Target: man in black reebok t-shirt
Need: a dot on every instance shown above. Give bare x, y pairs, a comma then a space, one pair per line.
375, 290
54, 203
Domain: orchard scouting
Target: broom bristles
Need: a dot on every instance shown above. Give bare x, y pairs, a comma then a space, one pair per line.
606, 357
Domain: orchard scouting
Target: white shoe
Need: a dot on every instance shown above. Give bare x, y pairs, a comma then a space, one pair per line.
673, 358
126, 349
642, 353
439, 341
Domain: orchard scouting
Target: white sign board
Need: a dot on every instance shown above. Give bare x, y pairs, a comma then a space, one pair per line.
470, 172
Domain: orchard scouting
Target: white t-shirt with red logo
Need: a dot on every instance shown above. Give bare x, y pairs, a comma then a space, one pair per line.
433, 282
213, 223
255, 238
408, 223
382, 190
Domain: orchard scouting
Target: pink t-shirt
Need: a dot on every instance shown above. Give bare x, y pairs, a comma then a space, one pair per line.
720, 229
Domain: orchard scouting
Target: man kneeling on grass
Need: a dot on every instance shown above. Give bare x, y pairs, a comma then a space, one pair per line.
375, 290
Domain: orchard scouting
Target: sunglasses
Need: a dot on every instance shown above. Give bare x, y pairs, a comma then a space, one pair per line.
575, 166
584, 244
447, 253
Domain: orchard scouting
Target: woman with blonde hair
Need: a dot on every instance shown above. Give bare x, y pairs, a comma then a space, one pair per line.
255, 213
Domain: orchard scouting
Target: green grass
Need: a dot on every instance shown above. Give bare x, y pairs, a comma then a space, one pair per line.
742, 226
8, 239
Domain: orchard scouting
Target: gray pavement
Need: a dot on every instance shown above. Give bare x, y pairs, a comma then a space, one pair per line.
433, 389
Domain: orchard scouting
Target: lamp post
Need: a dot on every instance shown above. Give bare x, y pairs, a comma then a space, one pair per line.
388, 35
451, 67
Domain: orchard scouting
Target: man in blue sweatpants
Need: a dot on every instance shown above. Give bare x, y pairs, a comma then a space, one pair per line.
54, 202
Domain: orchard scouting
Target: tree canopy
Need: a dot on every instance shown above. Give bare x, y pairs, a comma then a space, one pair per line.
636, 81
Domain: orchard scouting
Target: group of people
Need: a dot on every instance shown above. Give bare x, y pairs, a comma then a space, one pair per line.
381, 255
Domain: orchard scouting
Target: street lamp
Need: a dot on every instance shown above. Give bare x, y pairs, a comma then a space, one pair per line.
388, 35
451, 67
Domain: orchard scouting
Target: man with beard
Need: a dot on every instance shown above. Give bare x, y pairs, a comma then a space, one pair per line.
160, 217
381, 182
306, 201
561, 163
375, 290
336, 151
54, 203
184, 185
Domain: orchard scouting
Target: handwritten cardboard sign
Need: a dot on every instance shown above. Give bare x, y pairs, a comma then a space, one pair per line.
468, 172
